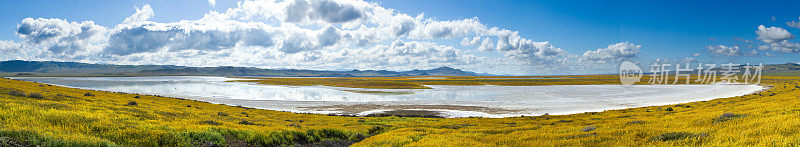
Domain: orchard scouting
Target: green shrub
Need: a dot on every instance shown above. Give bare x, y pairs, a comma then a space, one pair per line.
15, 92
727, 117
675, 136
635, 122
6, 141
298, 138
206, 138
589, 128
29, 138
376, 130
36, 95
210, 122
244, 122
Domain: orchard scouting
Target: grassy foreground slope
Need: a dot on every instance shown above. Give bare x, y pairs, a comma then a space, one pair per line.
38, 114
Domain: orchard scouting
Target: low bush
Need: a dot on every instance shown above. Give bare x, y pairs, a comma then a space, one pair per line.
635, 122
298, 138
15, 92
244, 122
29, 138
358, 137
206, 138
36, 95
210, 122
6, 141
675, 136
726, 117
376, 130
589, 128
455, 126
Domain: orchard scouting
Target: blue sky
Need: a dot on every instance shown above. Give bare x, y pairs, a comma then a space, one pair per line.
666, 29
639, 31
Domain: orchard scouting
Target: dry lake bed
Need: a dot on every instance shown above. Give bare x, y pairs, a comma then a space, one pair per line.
445, 100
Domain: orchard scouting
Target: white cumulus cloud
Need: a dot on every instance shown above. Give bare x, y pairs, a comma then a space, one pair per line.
141, 15
613, 53
306, 34
773, 34
793, 24
777, 39
724, 50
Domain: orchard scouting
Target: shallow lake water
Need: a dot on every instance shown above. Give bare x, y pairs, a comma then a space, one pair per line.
450, 101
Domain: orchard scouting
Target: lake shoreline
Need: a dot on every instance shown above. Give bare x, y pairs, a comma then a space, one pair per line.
507, 107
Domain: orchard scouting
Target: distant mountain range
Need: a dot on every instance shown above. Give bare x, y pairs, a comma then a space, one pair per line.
51, 68
788, 67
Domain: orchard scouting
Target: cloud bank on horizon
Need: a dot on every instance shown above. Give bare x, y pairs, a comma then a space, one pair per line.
322, 34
